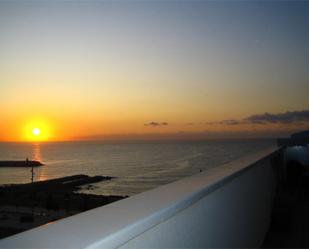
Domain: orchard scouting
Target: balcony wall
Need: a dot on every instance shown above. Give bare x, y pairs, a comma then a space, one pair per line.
228, 206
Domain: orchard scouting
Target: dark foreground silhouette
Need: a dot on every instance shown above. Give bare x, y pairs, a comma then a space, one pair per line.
289, 226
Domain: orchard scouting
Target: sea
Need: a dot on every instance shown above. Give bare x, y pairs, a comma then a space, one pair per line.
136, 165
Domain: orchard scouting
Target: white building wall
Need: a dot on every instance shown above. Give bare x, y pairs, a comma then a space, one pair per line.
235, 215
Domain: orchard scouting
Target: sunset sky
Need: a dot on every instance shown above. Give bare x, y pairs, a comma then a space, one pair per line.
153, 69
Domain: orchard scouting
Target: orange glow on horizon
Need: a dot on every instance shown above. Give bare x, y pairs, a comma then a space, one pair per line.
52, 128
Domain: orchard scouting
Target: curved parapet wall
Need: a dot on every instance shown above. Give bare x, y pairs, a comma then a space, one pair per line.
228, 206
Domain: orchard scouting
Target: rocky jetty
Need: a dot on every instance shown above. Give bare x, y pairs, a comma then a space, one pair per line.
26, 163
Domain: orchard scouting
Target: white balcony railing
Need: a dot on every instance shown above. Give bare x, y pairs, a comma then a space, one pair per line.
228, 206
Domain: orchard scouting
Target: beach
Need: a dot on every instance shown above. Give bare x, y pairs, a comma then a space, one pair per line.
25, 206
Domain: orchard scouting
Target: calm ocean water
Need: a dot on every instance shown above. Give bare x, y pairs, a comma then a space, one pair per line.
138, 166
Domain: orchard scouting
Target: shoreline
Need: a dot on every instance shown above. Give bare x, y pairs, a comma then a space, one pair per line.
25, 206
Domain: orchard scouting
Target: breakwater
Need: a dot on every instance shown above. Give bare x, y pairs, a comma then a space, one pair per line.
68, 183
26, 163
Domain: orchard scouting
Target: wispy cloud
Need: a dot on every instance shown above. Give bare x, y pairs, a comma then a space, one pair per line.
231, 122
294, 117
155, 124
284, 118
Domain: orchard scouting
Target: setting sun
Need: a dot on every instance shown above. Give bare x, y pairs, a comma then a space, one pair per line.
36, 132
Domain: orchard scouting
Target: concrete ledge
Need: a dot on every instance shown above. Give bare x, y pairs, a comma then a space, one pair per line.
186, 210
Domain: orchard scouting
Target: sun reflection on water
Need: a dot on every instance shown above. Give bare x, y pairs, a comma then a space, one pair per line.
37, 156
36, 152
